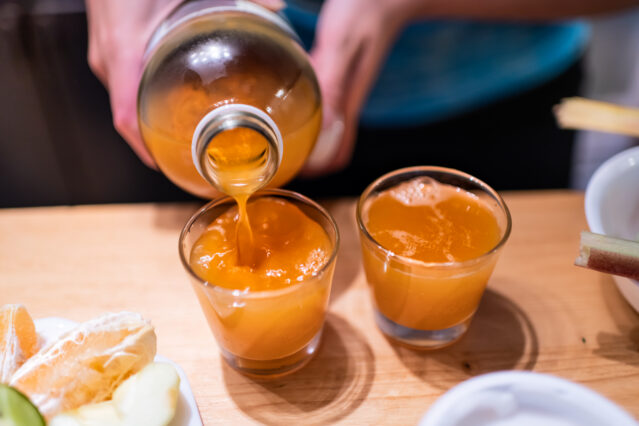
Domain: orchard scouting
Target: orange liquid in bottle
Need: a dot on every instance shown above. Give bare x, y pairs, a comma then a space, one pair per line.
218, 60
429, 222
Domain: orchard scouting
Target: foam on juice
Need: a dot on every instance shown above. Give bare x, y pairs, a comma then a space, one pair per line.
286, 247
422, 191
432, 222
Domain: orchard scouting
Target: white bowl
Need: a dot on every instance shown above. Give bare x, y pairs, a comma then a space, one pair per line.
522, 398
612, 207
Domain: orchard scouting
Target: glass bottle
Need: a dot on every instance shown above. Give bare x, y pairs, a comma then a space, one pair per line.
228, 99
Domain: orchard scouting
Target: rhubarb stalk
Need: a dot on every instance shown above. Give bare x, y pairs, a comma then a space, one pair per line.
609, 254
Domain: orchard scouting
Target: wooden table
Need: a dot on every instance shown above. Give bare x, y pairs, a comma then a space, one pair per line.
540, 312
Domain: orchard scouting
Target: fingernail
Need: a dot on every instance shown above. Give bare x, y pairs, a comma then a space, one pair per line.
327, 144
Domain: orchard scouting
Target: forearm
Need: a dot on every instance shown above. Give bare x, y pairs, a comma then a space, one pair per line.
526, 10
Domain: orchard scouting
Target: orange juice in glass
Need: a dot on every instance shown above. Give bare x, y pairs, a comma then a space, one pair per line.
430, 239
266, 308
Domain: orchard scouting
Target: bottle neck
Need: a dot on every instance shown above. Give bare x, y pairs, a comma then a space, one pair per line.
237, 148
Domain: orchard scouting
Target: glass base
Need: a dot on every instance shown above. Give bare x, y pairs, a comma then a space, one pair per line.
421, 339
272, 369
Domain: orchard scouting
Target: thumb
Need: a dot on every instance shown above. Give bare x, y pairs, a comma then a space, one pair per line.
351, 42
273, 5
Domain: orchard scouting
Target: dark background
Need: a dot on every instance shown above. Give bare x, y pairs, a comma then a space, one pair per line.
58, 144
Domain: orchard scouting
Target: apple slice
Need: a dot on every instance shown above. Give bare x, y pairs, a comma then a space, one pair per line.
609, 254
147, 398
100, 414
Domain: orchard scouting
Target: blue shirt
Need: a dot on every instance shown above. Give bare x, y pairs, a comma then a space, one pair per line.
438, 69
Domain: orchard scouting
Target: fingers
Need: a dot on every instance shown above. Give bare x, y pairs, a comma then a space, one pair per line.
94, 58
332, 56
118, 33
124, 79
327, 145
97, 66
352, 40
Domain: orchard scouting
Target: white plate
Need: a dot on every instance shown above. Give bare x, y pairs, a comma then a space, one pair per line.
186, 414
522, 398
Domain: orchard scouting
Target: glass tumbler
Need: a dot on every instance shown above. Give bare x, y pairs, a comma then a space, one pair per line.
267, 333
427, 305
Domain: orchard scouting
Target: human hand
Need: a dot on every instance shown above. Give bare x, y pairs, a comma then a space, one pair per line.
118, 33
351, 41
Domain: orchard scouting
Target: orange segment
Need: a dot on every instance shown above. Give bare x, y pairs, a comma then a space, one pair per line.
86, 364
18, 339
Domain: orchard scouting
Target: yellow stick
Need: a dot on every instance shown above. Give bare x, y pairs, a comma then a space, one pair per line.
586, 114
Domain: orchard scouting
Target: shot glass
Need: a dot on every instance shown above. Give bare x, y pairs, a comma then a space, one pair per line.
427, 305
264, 334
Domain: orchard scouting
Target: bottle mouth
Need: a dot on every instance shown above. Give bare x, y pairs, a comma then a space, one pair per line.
237, 148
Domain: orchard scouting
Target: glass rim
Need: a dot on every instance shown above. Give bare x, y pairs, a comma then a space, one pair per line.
433, 265
285, 193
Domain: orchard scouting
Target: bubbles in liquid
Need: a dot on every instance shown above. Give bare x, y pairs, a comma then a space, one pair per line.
424, 191
238, 149
430, 221
287, 247
240, 161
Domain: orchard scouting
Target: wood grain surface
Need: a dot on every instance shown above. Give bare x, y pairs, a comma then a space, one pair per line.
539, 313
